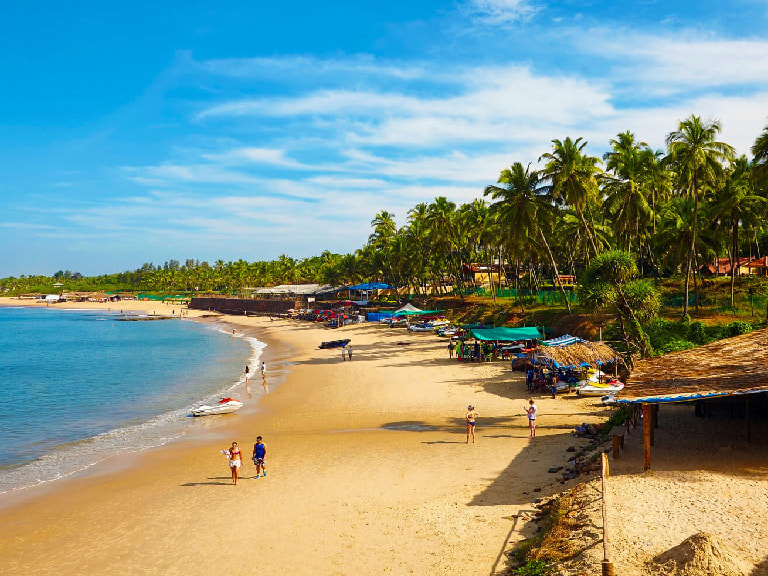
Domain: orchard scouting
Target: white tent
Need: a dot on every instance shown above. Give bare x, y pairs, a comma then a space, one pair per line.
408, 308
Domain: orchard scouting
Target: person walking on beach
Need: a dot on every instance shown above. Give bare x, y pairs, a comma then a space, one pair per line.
349, 352
259, 455
450, 350
343, 353
531, 412
247, 371
235, 460
263, 369
471, 418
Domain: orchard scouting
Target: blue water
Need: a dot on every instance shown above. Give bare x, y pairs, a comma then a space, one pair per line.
78, 386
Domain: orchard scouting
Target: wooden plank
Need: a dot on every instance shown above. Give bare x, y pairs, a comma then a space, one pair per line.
647, 428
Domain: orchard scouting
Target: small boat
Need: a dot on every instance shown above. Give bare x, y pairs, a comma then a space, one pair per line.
447, 331
423, 327
225, 406
597, 389
334, 344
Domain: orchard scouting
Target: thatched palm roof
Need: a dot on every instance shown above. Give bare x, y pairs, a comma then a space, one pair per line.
593, 353
737, 365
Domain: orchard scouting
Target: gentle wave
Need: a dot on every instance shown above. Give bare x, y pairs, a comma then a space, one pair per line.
75, 457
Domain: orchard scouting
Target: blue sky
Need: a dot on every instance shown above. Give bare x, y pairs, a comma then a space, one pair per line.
150, 131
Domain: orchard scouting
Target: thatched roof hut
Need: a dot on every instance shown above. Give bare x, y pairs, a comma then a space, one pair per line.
737, 365
576, 354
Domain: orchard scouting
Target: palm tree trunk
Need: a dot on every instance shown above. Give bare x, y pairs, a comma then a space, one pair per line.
586, 229
734, 259
557, 274
690, 252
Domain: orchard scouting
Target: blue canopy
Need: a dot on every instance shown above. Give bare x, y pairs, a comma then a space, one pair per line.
371, 286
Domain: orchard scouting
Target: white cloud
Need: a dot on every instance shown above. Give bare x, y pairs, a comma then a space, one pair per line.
500, 12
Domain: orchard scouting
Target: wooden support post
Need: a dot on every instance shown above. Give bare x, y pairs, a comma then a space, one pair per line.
607, 565
647, 428
616, 447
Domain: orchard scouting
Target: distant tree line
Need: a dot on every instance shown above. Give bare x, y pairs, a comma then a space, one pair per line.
671, 210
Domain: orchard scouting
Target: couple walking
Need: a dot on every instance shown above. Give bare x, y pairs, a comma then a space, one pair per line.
235, 457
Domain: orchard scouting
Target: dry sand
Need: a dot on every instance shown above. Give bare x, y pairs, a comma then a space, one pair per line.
368, 467
705, 477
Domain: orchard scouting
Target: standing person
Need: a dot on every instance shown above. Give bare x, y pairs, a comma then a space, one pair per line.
349, 352
531, 411
263, 369
450, 349
529, 378
246, 372
343, 353
471, 418
259, 455
235, 460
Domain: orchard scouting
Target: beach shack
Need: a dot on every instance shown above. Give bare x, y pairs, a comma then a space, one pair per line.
566, 360
735, 368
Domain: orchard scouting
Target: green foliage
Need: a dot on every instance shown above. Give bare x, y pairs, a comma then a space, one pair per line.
618, 417
534, 568
697, 332
675, 345
737, 328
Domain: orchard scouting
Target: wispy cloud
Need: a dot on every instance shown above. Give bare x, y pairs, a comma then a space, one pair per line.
501, 12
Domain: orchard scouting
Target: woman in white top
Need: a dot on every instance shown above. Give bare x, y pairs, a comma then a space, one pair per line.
531, 411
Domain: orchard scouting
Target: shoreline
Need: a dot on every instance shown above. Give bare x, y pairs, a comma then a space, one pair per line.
372, 451
130, 439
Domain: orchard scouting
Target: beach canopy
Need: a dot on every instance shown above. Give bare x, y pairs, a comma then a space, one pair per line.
371, 286
408, 308
730, 367
417, 313
578, 354
506, 334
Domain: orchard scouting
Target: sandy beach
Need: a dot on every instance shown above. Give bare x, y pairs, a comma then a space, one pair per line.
369, 471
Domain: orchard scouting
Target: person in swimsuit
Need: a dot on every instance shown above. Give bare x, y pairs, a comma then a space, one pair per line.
259, 455
235, 461
471, 417
531, 411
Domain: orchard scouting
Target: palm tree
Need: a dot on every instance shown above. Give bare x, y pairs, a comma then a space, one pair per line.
573, 177
696, 158
625, 196
610, 284
736, 205
760, 161
522, 206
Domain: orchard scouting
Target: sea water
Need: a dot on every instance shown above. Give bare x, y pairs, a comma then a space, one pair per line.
77, 387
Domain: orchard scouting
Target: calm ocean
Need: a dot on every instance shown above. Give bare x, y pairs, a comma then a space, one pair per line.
78, 386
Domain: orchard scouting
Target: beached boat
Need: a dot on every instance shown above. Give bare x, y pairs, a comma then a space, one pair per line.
598, 389
335, 343
447, 331
423, 327
225, 406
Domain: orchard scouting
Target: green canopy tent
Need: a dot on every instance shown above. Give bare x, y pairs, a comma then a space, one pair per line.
506, 334
419, 313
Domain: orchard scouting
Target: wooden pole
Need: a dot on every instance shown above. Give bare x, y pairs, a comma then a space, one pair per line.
607, 565
647, 428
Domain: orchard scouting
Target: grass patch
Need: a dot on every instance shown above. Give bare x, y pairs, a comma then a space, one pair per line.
552, 543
